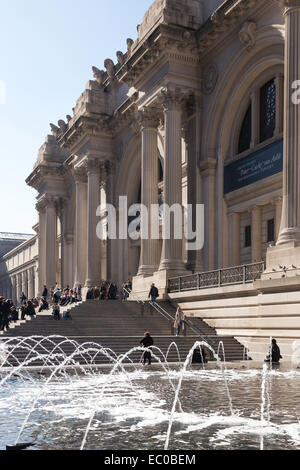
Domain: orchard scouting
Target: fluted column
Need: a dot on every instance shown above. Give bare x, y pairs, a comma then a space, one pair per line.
234, 238
94, 247
208, 174
80, 251
256, 235
278, 212
172, 257
14, 289
290, 223
18, 287
50, 241
30, 277
150, 253
42, 245
24, 283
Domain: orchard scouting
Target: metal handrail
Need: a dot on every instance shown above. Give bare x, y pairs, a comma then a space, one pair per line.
139, 301
221, 277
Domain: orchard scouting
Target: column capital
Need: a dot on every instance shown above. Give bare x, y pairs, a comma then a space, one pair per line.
171, 99
288, 6
93, 165
148, 118
80, 174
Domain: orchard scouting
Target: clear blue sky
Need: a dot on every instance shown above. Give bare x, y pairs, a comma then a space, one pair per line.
47, 50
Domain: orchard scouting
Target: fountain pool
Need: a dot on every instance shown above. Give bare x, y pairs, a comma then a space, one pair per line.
240, 406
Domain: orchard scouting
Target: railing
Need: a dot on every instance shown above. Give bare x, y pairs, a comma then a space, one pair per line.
219, 278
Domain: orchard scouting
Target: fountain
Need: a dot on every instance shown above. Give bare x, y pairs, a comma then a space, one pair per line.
55, 390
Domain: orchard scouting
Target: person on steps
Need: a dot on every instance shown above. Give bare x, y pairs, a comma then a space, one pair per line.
178, 323
153, 294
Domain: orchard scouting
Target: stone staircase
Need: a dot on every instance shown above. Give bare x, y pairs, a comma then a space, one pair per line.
120, 326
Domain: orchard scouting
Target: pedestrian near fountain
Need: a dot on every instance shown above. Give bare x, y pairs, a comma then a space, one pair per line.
147, 342
274, 355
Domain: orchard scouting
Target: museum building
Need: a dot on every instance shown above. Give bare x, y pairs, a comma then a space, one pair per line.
197, 110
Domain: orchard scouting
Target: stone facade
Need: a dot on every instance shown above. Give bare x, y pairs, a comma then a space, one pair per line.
197, 99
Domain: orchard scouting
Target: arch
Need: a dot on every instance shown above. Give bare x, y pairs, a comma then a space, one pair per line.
226, 111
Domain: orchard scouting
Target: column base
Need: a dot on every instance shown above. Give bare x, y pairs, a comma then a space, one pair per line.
282, 261
289, 235
92, 283
172, 265
147, 270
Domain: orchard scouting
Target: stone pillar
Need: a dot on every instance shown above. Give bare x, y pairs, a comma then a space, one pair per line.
234, 238
30, 277
18, 287
50, 242
194, 183
24, 283
67, 261
256, 235
208, 174
278, 212
42, 245
14, 289
171, 259
94, 246
150, 253
80, 227
290, 223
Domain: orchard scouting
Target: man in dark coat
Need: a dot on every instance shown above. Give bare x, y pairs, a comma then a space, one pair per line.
147, 342
45, 293
153, 294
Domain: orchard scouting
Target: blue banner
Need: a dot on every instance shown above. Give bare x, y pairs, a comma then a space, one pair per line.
255, 167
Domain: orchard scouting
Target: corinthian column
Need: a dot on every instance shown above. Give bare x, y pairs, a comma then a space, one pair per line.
256, 235
80, 227
94, 247
42, 246
150, 254
290, 222
50, 241
171, 259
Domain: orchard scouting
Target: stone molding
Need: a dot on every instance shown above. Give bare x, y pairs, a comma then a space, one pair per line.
247, 35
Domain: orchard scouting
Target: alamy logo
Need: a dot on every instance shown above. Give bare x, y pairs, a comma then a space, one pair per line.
2, 92
137, 222
296, 94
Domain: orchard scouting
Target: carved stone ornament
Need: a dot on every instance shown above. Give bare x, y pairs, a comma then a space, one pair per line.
99, 75
110, 67
120, 57
247, 35
210, 78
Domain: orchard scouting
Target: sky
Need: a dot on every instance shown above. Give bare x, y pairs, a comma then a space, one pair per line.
47, 50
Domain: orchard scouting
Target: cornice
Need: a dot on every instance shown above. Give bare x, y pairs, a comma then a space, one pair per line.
37, 177
98, 126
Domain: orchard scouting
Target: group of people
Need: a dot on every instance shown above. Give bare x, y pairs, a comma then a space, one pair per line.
106, 291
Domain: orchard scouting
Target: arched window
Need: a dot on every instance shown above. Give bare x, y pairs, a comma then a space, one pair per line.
246, 131
267, 110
